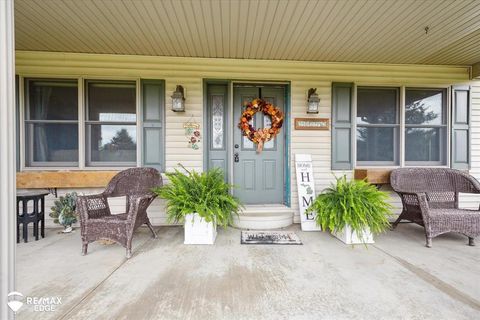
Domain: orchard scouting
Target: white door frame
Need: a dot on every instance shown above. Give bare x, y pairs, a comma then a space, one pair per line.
8, 160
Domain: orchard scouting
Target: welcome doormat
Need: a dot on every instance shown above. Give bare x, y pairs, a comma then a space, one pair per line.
270, 237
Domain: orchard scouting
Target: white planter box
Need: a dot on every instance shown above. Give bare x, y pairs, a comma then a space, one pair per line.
198, 231
348, 236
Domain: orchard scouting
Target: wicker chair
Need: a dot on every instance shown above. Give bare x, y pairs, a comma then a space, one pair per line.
430, 199
96, 220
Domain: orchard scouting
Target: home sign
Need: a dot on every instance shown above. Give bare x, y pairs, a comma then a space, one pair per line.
306, 190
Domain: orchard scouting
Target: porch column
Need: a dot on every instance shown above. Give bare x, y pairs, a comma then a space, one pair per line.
7, 156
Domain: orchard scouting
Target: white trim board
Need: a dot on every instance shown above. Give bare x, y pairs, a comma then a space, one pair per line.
8, 161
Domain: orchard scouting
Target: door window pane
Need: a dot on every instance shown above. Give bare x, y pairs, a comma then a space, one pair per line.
247, 144
52, 142
377, 106
425, 106
113, 143
267, 123
217, 121
376, 144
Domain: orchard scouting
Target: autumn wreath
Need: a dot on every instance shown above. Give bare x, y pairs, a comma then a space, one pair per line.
262, 135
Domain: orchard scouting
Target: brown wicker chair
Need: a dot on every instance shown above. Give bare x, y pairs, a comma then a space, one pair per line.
96, 220
430, 199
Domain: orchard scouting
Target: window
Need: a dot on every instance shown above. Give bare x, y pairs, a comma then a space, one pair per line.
425, 127
111, 131
424, 124
61, 133
51, 123
377, 126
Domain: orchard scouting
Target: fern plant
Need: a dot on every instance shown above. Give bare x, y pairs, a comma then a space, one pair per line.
205, 193
63, 211
356, 203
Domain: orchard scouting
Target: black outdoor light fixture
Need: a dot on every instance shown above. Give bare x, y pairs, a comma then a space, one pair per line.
313, 101
178, 99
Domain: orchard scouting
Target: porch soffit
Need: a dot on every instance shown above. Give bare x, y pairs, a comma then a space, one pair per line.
337, 31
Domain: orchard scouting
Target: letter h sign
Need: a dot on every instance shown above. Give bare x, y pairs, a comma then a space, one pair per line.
305, 176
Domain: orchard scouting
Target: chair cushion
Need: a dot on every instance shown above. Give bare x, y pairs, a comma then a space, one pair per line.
454, 214
110, 218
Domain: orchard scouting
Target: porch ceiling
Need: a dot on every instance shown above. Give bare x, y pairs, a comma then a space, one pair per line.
348, 31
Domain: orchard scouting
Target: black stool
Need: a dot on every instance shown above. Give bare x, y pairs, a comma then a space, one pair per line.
36, 216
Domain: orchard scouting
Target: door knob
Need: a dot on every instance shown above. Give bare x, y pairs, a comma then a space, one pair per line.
236, 157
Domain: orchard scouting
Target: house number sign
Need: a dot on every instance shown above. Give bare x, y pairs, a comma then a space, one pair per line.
306, 190
312, 123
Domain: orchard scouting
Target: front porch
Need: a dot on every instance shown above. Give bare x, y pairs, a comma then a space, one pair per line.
165, 279
86, 90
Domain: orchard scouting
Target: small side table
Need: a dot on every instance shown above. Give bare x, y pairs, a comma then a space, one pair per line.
37, 215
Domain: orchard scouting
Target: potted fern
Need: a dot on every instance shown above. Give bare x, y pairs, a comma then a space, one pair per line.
352, 210
200, 201
63, 211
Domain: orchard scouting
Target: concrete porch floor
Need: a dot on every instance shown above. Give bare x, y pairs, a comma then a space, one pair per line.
396, 278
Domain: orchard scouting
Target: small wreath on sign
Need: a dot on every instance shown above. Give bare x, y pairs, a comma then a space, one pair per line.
261, 135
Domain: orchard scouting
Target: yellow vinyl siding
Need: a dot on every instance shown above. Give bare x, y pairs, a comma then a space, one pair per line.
473, 201
190, 72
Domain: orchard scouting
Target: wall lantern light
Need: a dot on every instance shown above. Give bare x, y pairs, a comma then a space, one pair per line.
313, 101
178, 100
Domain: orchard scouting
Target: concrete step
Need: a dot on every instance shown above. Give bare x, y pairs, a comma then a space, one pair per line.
264, 217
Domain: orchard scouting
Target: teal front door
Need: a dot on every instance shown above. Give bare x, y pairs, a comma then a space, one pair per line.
259, 177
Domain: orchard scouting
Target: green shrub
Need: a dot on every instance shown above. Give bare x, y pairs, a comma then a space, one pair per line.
204, 193
356, 203
63, 211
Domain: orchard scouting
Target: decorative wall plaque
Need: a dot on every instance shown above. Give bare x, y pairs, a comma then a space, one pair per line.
312, 124
192, 132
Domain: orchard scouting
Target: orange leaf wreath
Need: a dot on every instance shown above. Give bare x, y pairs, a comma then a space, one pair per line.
261, 135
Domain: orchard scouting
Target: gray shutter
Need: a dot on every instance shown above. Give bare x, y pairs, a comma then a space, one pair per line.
342, 126
153, 110
460, 127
